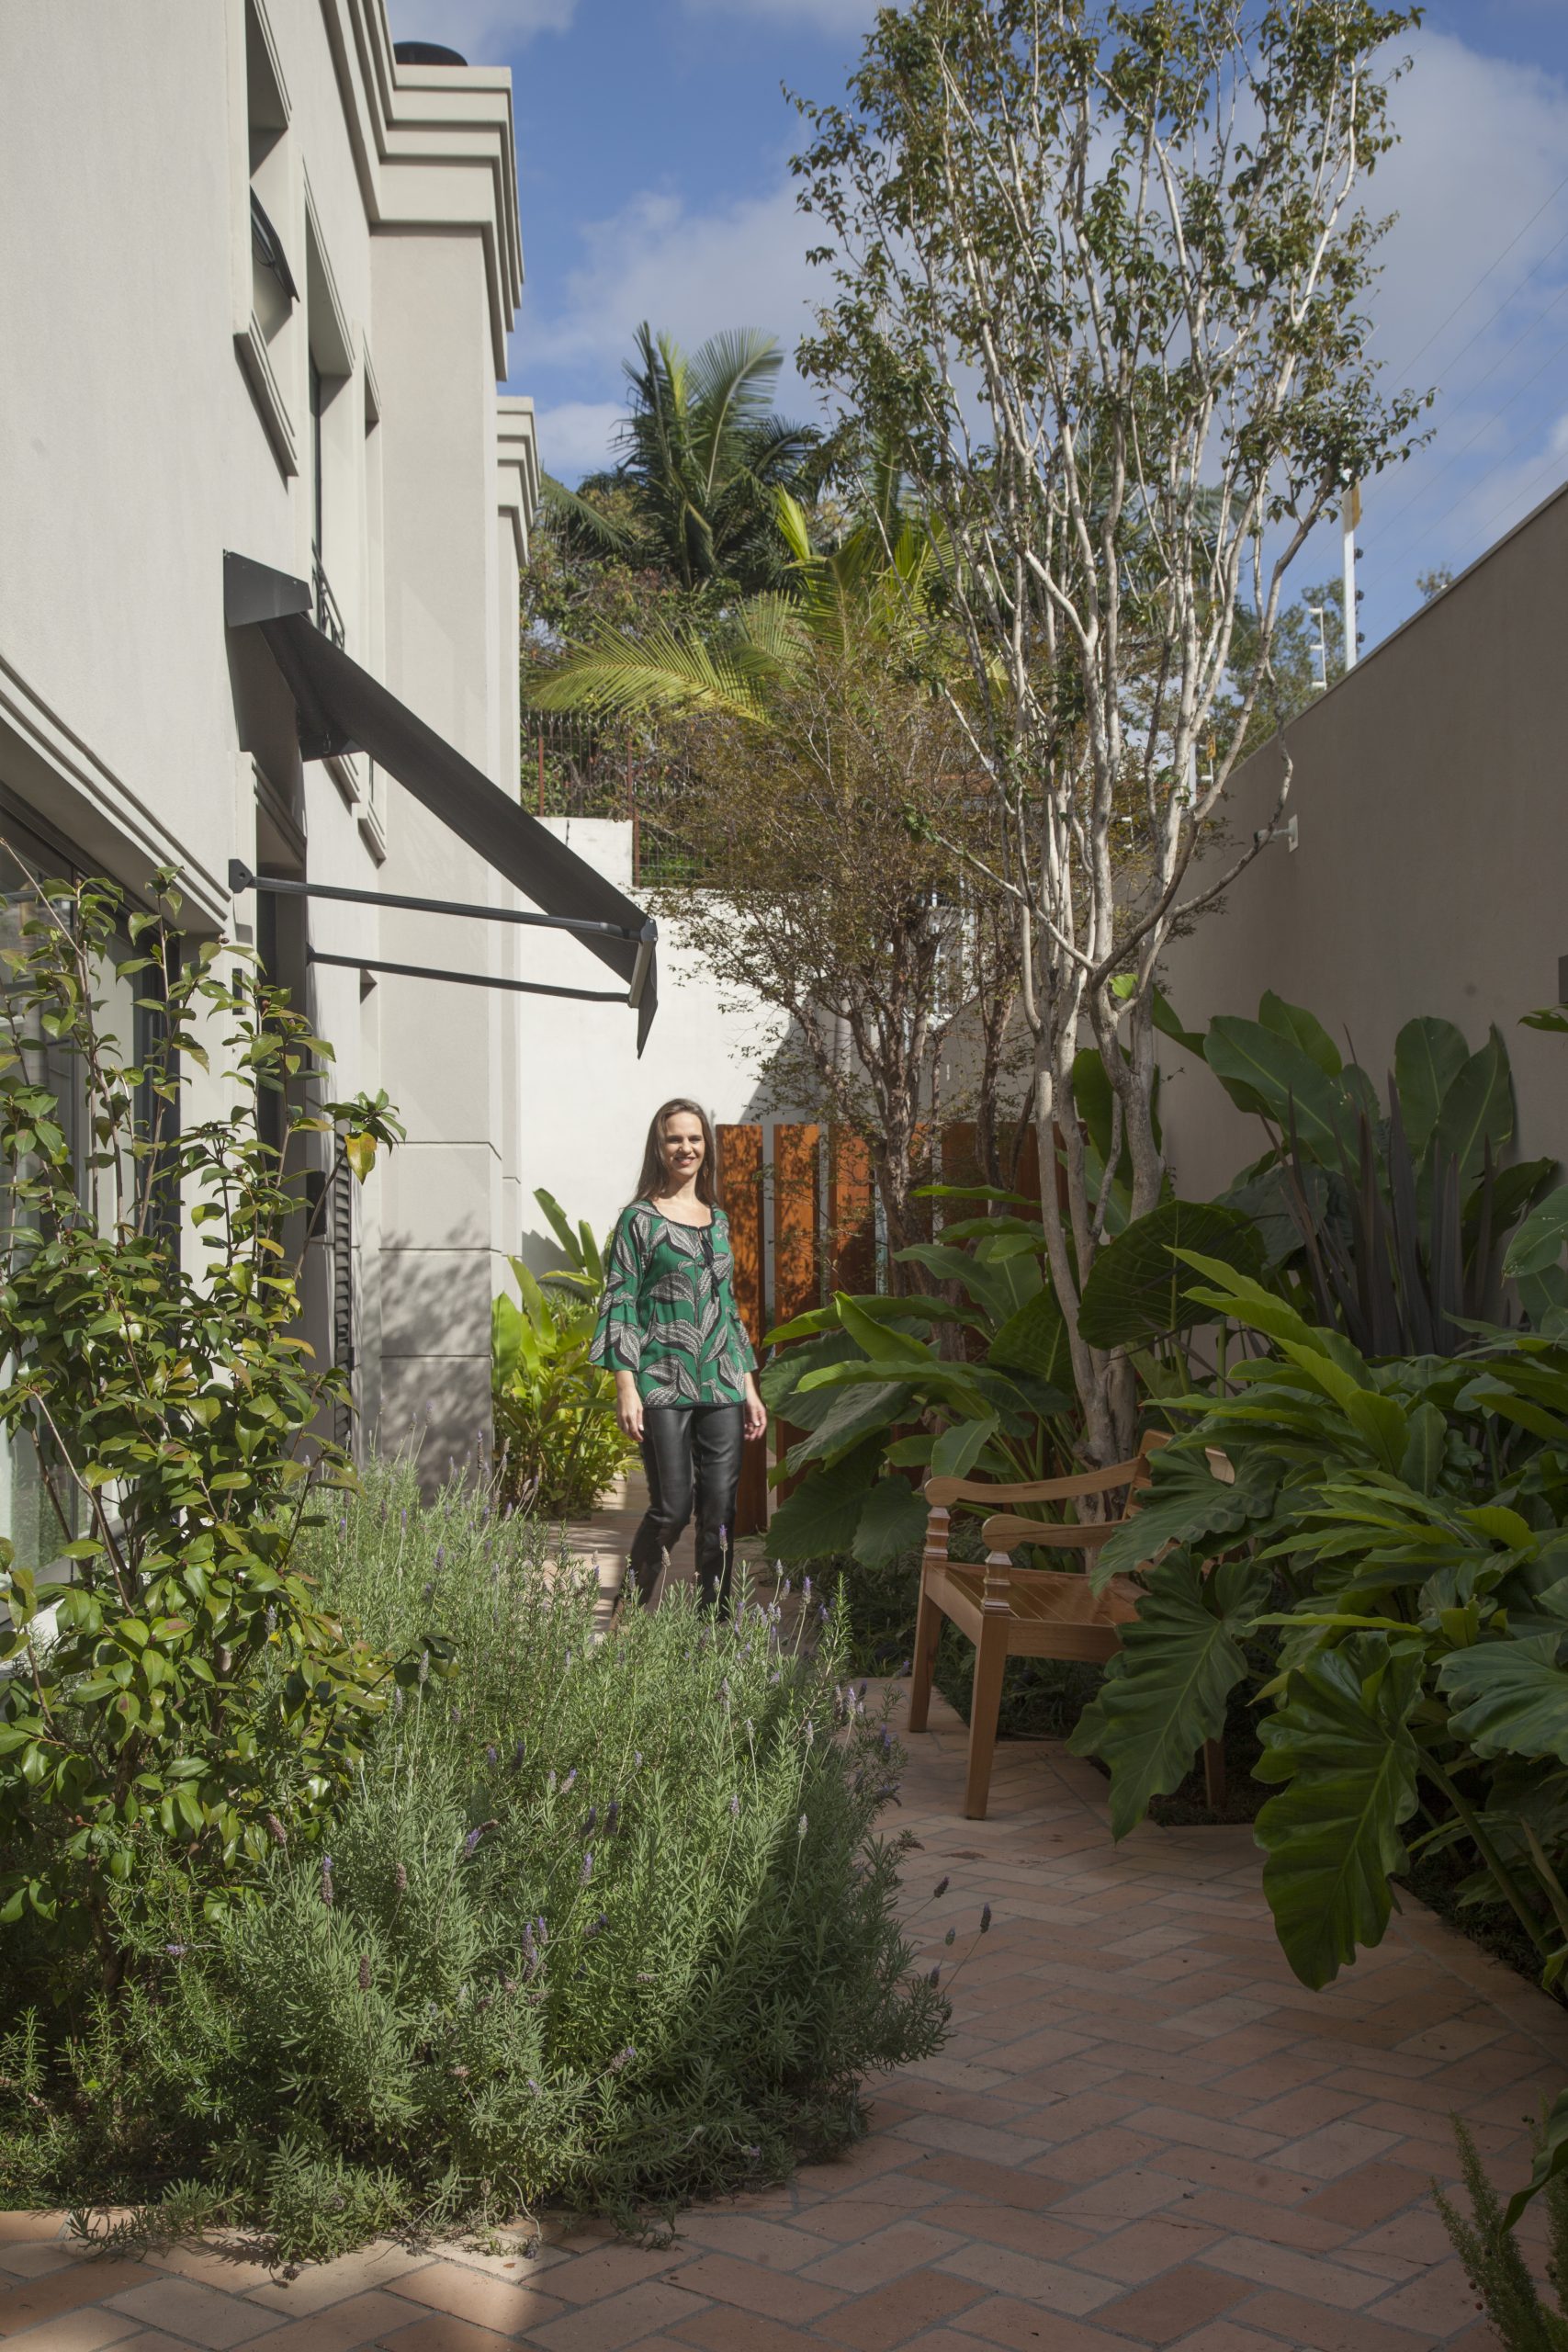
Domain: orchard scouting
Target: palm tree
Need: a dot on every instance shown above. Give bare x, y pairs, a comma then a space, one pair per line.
703, 454
870, 591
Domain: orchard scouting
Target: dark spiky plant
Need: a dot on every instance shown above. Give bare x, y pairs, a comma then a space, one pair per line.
1494, 2264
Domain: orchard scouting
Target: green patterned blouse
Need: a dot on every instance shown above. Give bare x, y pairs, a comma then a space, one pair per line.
669, 1314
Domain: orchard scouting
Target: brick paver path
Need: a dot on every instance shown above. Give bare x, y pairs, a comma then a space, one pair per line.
1142, 2133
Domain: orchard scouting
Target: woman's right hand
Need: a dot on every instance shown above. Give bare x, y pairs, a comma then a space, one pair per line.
628, 1406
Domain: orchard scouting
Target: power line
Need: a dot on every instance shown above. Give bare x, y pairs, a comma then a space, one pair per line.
1480, 282
1426, 489
1414, 545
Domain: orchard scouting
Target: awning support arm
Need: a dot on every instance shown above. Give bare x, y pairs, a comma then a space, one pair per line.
241, 879
465, 980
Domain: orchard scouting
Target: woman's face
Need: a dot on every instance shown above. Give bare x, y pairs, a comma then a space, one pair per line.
682, 1147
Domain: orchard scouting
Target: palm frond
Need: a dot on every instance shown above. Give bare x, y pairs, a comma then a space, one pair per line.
662, 671
584, 519
731, 386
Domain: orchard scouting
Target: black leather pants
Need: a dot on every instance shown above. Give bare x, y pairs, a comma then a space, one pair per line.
691, 1453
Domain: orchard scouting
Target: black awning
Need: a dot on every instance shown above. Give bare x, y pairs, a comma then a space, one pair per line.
342, 708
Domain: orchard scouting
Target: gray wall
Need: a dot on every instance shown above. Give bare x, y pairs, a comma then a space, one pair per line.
1429, 791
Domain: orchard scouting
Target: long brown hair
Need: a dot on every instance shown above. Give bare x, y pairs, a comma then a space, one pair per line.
655, 1175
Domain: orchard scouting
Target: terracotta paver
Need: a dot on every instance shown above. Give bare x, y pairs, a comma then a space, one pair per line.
1142, 2133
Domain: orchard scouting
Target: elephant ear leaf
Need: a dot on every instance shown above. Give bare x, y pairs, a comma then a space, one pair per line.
1538, 1243
1342, 1744
1165, 1690
1427, 1057
1139, 1290
1184, 1503
823, 1515
1509, 1698
1303, 1029
1478, 1110
1035, 1339
893, 1521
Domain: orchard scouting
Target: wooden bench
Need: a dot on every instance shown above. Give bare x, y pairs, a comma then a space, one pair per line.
1008, 1612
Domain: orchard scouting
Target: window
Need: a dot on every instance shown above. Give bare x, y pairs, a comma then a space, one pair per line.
266, 295
38, 1512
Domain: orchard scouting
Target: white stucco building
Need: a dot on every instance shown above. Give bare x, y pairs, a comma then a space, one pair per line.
257, 279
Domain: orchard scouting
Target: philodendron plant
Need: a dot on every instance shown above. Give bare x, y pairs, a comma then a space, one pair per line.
1385, 1549
975, 1381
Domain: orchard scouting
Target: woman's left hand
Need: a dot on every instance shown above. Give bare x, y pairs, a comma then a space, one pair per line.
756, 1413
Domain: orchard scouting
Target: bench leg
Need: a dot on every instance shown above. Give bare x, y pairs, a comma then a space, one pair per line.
985, 1703
1214, 1775
922, 1666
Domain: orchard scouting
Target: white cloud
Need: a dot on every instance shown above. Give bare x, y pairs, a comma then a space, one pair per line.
482, 31
823, 16
688, 273
1482, 153
574, 438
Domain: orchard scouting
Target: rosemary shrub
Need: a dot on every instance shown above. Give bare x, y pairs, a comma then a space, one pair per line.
610, 1925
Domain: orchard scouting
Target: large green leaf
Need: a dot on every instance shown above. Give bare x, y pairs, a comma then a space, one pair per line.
1509, 1697
1000, 1276
1478, 1110
958, 1449
1266, 1197
1184, 1502
779, 1381
1035, 1340
892, 1522
1137, 1289
1341, 1742
1538, 1241
1165, 1690
823, 1514
1427, 1057
1264, 1073
1303, 1029
855, 1414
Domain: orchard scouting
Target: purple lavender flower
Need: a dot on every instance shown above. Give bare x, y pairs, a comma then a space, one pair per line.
493, 1756
950, 1936
517, 1754
535, 2086
935, 1976
530, 1949
587, 1871
941, 1887
440, 1558
471, 1843
800, 1827
401, 1879
568, 1780
985, 1921
597, 1926
591, 1818
429, 1588
613, 1817
176, 1951
327, 1879
734, 1807
805, 1587
622, 2058
550, 1783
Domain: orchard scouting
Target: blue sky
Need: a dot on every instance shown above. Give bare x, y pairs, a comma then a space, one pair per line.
653, 142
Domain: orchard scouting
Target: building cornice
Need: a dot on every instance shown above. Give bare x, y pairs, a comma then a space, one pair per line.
433, 147
517, 466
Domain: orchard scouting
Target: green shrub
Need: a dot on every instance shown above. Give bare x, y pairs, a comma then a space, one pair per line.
185, 1689
560, 1443
599, 1923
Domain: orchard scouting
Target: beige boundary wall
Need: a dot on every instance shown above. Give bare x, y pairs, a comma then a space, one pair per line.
1430, 792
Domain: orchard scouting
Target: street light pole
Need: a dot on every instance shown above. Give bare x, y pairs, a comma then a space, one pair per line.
1350, 515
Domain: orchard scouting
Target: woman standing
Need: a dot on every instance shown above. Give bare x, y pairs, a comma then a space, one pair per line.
670, 1330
